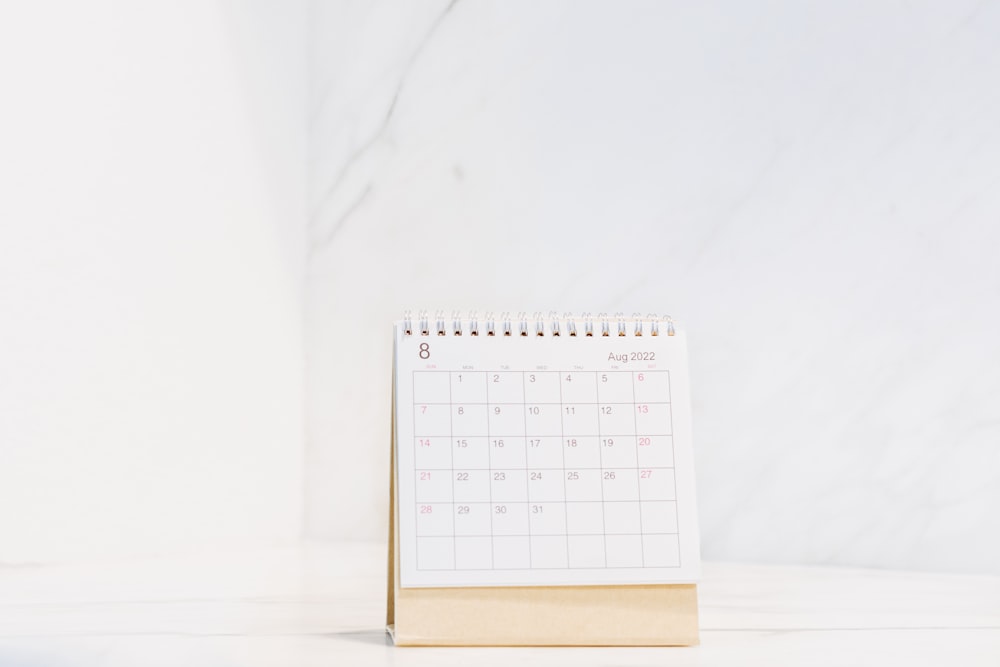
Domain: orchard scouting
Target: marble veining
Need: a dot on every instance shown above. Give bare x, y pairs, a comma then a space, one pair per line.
809, 190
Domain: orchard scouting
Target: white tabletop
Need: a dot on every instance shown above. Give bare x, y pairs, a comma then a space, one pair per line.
325, 605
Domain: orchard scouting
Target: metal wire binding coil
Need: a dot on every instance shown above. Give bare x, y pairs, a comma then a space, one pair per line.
537, 325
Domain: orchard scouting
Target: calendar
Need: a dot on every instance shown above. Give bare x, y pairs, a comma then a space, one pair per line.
543, 451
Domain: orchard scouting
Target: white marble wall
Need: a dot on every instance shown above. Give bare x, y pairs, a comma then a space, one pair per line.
811, 190
152, 169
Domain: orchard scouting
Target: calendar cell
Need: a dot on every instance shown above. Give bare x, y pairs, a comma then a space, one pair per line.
511, 553
430, 420
547, 518
659, 517
544, 419
432, 453
660, 551
620, 484
624, 550
585, 518
546, 485
580, 419
506, 419
435, 553
434, 519
616, 419
655, 451
618, 451
508, 452
651, 386
510, 518
578, 387
469, 452
657, 484
652, 419
622, 519
583, 484
505, 388
509, 485
549, 551
586, 551
541, 387
544, 452
615, 387
469, 420
473, 518
468, 387
431, 387
434, 486
582, 452
471, 486
473, 553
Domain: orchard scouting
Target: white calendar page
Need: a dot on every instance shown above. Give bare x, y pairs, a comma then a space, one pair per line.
541, 460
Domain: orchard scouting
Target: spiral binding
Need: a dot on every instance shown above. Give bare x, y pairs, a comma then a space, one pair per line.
537, 325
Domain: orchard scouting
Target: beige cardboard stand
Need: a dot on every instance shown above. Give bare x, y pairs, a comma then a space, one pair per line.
645, 615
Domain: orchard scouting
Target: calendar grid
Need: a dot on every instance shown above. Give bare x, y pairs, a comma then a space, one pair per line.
562, 437
592, 435
560, 535
527, 473
680, 553
416, 474
489, 453
600, 454
551, 468
638, 480
543, 402
451, 451
583, 426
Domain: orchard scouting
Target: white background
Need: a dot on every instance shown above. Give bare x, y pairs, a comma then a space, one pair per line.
152, 161
210, 213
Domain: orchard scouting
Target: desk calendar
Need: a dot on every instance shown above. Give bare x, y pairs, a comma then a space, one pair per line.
533, 457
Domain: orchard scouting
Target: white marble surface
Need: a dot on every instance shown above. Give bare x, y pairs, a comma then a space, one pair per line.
810, 190
324, 604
